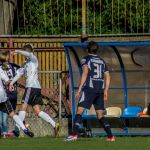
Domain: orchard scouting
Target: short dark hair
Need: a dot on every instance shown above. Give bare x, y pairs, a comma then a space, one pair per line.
28, 47
92, 47
3, 55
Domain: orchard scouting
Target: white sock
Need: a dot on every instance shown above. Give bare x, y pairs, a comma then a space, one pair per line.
19, 122
47, 118
21, 115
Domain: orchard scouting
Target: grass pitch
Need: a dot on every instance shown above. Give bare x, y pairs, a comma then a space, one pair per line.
47, 143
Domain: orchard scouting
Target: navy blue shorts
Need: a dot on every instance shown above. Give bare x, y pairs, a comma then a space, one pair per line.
13, 99
88, 98
6, 107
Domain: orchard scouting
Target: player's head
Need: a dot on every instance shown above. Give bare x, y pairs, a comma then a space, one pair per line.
28, 47
5, 65
92, 47
4, 56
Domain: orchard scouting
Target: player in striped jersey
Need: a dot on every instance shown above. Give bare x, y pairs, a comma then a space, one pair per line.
5, 105
93, 89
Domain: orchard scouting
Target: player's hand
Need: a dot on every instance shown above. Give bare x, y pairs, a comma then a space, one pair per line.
11, 88
77, 94
105, 95
13, 53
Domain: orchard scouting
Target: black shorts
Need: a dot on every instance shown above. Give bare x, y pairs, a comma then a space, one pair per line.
13, 99
32, 96
6, 107
88, 98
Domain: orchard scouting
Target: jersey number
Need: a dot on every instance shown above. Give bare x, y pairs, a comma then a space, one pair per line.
98, 71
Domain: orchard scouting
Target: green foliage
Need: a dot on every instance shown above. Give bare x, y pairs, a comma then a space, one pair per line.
61, 17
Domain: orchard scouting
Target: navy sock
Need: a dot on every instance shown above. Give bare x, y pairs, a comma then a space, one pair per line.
106, 126
77, 124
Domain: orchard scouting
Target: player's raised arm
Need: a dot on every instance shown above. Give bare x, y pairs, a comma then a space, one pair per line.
19, 73
27, 51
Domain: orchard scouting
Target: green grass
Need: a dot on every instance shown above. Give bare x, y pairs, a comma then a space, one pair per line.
47, 143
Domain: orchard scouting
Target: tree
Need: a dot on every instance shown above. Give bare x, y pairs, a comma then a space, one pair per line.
7, 8
63, 17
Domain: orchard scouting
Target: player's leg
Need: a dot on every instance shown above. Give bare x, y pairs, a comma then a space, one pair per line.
22, 112
100, 110
43, 115
25, 100
78, 120
36, 102
4, 124
21, 115
16, 118
20, 124
104, 123
85, 102
76, 125
1, 121
46, 117
13, 101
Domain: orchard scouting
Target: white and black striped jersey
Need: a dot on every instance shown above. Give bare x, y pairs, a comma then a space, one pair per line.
97, 68
30, 69
4, 77
11, 72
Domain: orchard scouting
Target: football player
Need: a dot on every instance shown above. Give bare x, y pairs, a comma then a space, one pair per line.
32, 95
93, 89
5, 105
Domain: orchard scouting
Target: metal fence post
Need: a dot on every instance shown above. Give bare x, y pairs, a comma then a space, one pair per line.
60, 95
84, 36
10, 45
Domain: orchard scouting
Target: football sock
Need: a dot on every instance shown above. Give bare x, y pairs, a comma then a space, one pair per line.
106, 126
77, 124
21, 115
19, 122
47, 118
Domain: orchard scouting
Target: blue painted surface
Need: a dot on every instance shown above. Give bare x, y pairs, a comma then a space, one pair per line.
131, 112
123, 76
108, 44
72, 84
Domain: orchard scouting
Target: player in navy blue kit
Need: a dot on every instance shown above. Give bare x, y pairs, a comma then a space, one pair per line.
93, 89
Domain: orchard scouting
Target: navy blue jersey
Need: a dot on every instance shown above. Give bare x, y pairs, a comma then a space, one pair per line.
11, 72
97, 68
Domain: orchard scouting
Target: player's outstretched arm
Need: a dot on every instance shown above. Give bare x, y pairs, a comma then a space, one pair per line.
19, 73
25, 53
83, 79
107, 84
